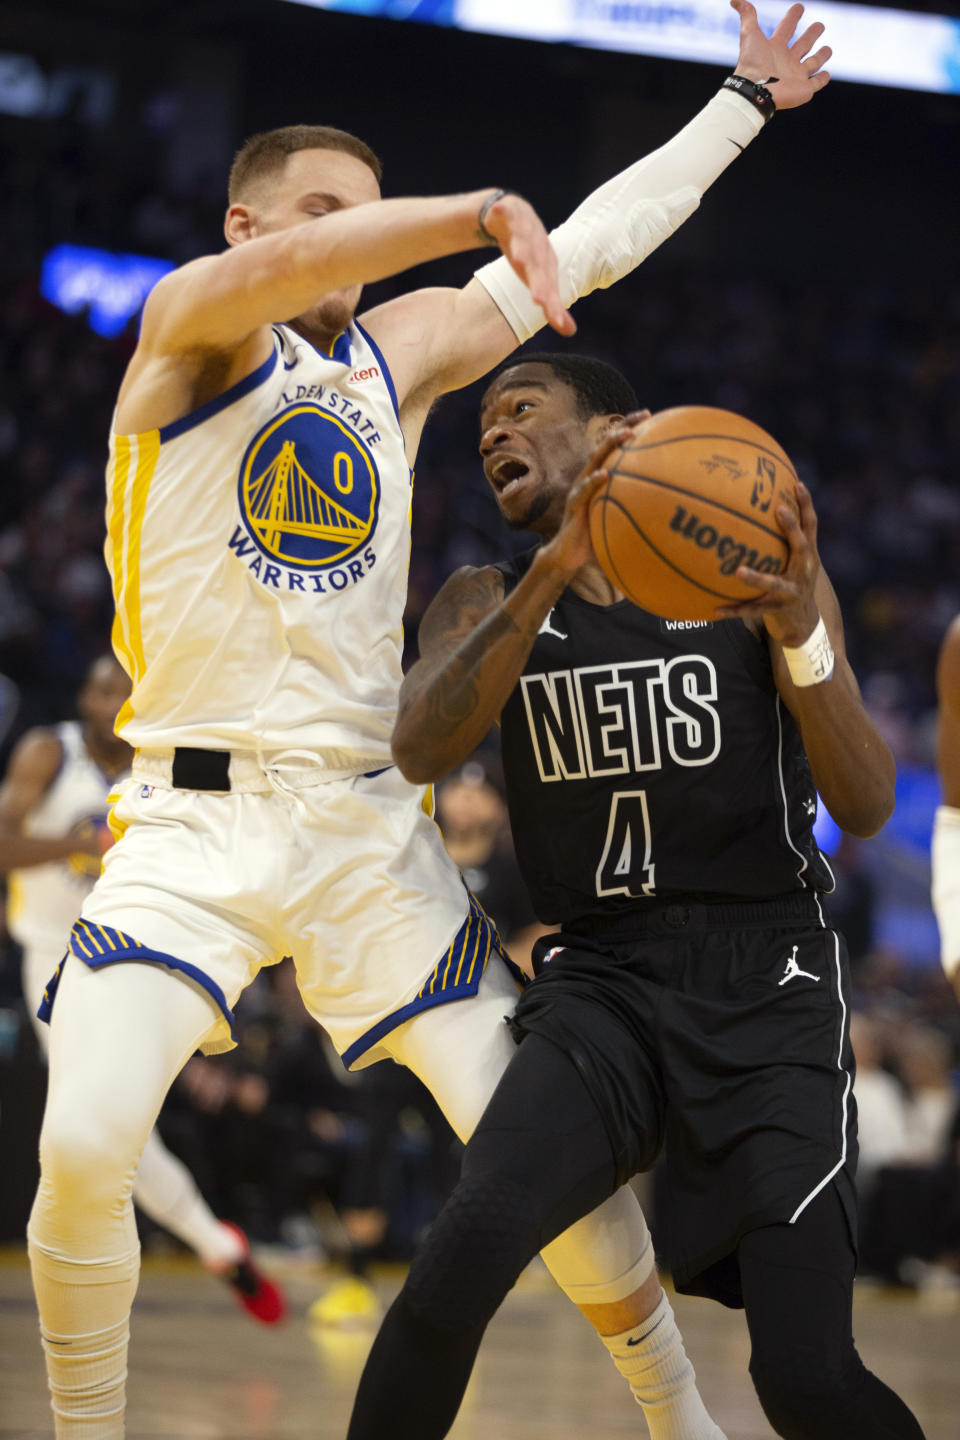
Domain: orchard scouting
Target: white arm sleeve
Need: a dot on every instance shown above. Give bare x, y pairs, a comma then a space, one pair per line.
946, 884
624, 221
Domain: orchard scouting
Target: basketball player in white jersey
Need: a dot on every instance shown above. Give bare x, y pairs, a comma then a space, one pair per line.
258, 536
946, 826
53, 834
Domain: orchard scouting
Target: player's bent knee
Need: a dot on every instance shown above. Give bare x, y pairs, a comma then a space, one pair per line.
484, 1236
807, 1401
85, 1157
605, 1258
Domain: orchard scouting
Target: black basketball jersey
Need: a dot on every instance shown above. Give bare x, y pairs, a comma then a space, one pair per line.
649, 758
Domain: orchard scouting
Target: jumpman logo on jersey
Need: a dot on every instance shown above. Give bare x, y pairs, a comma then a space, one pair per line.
547, 629
793, 970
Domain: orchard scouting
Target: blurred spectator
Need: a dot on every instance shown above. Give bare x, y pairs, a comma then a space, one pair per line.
881, 1105
925, 1062
472, 816
852, 903
908, 1179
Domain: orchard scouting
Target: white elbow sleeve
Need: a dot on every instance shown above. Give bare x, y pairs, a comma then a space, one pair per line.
624, 221
946, 884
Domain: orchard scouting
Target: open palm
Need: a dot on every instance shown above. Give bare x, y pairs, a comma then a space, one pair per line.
792, 75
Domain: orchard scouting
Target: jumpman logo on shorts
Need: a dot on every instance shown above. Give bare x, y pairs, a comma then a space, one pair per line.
547, 629
793, 970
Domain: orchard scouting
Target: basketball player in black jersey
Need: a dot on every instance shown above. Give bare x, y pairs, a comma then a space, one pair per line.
662, 781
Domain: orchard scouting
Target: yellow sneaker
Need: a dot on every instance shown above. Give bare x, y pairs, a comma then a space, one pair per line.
350, 1303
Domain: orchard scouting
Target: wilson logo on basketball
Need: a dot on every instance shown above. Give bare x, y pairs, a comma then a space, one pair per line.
690, 498
730, 552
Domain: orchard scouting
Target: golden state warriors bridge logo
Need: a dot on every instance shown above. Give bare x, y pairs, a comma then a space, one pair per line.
309, 490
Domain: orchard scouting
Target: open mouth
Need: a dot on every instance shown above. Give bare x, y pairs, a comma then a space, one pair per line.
506, 473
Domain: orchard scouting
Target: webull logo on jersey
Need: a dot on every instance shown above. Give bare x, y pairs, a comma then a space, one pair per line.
309, 494
668, 627
623, 719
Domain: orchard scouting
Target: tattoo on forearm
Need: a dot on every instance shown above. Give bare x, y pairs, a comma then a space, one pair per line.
453, 694
477, 590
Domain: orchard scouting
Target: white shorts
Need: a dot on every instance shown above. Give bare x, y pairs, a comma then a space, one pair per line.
349, 876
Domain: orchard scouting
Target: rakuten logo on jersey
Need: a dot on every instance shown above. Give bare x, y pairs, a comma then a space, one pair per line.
623, 719
371, 373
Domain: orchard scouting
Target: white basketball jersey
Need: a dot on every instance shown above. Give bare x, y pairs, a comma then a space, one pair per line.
259, 550
45, 900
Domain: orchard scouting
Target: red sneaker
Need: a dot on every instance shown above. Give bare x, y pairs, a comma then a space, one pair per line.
260, 1296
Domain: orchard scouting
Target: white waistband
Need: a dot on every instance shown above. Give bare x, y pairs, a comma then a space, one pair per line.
251, 772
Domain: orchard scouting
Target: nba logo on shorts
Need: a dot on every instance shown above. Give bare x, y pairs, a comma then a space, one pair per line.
308, 489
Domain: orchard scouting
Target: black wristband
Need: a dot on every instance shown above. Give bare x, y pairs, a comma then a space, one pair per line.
758, 95
484, 210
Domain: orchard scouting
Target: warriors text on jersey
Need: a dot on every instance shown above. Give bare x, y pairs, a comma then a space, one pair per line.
46, 899
258, 550
653, 758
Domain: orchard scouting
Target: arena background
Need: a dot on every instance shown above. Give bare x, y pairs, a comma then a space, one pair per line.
817, 291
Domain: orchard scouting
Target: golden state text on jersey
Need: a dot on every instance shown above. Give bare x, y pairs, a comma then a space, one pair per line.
258, 549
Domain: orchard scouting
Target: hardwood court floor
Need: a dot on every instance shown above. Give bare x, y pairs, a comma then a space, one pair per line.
201, 1371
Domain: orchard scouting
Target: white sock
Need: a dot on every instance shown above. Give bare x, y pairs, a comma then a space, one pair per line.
652, 1360
86, 1368
166, 1191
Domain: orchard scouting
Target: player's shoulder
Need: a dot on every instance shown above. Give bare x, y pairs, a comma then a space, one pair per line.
948, 664
40, 739
473, 586
477, 582
951, 640
173, 293
387, 320
173, 283
38, 753
463, 600
402, 329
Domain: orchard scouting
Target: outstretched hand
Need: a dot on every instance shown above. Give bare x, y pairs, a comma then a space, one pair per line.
788, 70
521, 235
787, 604
571, 546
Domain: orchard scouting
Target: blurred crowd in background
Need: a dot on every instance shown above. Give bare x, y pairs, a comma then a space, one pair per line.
858, 380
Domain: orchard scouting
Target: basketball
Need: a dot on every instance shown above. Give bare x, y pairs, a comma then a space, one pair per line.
689, 499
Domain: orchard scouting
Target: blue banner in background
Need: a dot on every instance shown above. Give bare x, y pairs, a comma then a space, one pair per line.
110, 287
432, 12
872, 45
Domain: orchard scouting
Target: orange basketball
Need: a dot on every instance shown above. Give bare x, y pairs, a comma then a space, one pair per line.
690, 498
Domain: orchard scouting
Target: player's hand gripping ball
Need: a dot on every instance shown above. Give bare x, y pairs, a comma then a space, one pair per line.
690, 498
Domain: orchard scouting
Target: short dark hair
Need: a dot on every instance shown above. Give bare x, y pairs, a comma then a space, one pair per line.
266, 154
600, 388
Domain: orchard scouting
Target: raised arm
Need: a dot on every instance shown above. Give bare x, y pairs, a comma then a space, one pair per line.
475, 639
439, 340
217, 302
852, 766
32, 769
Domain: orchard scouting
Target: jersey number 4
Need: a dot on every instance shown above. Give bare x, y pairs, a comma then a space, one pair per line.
626, 867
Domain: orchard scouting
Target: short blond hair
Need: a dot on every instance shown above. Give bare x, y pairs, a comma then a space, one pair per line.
265, 155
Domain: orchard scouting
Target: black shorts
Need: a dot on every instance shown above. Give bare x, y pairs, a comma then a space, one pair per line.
719, 1033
